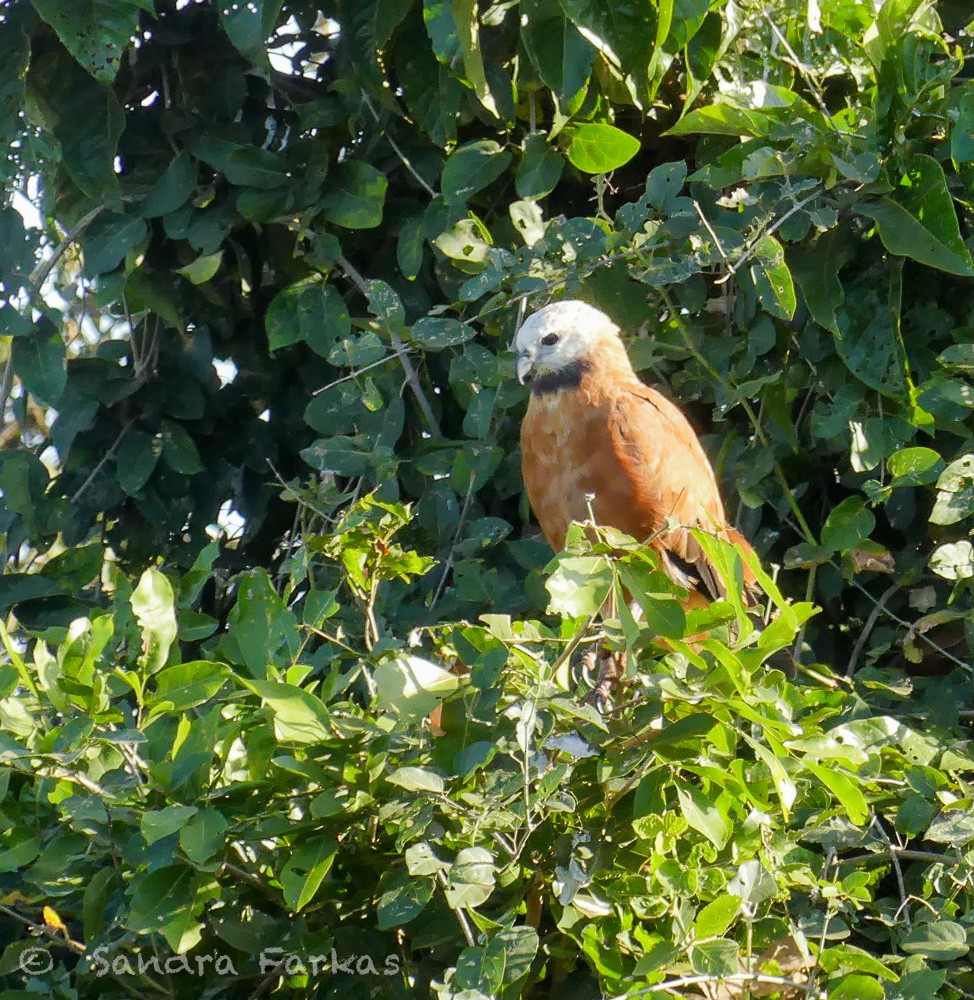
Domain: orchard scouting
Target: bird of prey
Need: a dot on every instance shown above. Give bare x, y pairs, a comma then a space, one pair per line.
594, 434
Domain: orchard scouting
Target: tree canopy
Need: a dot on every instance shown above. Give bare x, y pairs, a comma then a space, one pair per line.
261, 262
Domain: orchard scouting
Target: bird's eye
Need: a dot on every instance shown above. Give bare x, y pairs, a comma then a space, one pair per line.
552, 338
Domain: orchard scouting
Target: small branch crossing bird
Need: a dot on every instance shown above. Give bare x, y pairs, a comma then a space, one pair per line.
593, 433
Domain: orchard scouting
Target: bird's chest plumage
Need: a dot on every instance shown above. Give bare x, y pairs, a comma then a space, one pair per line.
572, 450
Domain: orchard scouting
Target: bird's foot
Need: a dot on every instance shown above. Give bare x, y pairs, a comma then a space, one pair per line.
608, 667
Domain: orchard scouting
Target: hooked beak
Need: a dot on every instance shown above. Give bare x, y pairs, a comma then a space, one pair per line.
525, 361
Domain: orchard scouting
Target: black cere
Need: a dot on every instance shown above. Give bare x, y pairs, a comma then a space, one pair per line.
569, 377
551, 338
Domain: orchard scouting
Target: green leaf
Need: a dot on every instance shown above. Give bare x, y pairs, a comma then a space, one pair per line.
856, 987
402, 899
299, 716
136, 459
305, 870
559, 52
468, 31
954, 561
95, 32
310, 311
355, 196
716, 917
159, 823
109, 238
715, 958
434, 333
204, 835
703, 815
39, 361
914, 466
416, 779
940, 940
202, 269
471, 879
579, 585
179, 450
847, 525
923, 236
540, 168
152, 605
845, 790
955, 491
772, 279
173, 188
472, 167
249, 25
596, 148
167, 900
411, 686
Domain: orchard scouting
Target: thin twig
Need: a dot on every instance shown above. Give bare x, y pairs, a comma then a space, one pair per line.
110, 454
752, 246
395, 148
355, 374
39, 275
448, 565
407, 366
461, 916
867, 629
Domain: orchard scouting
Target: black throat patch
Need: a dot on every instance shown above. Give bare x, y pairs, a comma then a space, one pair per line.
569, 377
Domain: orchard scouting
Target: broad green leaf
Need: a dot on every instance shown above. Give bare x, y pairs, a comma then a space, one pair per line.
310, 311
299, 716
403, 899
109, 238
597, 149
204, 835
845, 789
136, 459
435, 332
39, 361
160, 823
715, 958
717, 916
202, 269
471, 878
355, 195
703, 815
152, 605
167, 900
249, 25
540, 168
173, 188
472, 167
560, 54
955, 492
465, 15
305, 870
954, 561
907, 236
772, 279
914, 466
847, 525
416, 779
411, 686
579, 585
941, 940
95, 32
856, 987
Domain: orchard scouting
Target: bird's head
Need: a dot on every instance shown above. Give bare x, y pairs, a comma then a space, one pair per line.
560, 340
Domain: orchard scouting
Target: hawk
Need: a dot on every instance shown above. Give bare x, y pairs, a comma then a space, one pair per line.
594, 434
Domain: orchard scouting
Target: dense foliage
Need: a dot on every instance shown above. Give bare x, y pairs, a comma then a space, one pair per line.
283, 249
